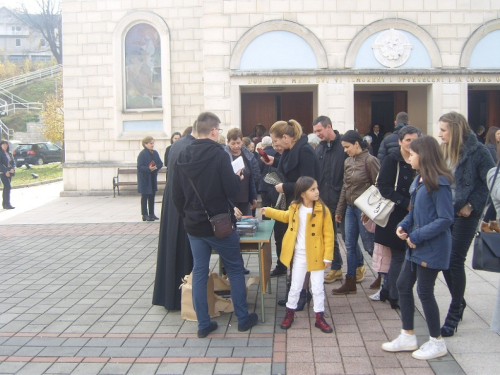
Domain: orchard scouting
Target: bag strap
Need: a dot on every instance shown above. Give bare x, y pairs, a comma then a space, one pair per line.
397, 178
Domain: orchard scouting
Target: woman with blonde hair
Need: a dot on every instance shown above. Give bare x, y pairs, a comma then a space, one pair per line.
148, 165
297, 160
469, 160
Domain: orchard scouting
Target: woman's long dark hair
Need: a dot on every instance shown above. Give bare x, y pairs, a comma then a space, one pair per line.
352, 136
491, 138
431, 162
301, 186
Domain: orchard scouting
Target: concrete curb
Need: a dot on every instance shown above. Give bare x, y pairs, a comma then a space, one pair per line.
38, 183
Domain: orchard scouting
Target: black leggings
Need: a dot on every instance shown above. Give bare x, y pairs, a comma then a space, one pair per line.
425, 278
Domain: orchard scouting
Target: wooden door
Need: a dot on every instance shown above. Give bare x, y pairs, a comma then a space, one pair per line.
298, 106
493, 110
257, 108
362, 111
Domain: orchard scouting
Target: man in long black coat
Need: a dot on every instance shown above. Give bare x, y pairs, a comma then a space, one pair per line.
175, 259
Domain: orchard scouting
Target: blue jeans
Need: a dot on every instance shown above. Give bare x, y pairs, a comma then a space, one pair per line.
354, 228
337, 258
229, 250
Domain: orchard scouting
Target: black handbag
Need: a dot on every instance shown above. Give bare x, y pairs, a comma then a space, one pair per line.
486, 255
222, 225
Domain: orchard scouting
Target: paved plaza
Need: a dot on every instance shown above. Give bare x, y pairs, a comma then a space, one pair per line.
76, 286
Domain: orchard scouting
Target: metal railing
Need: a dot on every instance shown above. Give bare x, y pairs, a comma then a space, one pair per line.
25, 78
9, 133
11, 103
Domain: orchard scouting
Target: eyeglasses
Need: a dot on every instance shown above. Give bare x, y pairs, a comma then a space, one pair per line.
219, 130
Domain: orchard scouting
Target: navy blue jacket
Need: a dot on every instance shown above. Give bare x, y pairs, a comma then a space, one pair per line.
428, 225
147, 181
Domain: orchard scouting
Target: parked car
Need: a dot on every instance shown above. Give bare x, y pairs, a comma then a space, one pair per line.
37, 153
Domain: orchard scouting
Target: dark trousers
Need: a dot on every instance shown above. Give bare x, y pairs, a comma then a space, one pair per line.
491, 214
397, 260
148, 200
6, 190
279, 231
425, 278
462, 233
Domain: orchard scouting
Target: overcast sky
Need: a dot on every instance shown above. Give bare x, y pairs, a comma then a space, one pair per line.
32, 5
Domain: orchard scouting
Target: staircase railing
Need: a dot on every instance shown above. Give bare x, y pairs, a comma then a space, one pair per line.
25, 78
5, 132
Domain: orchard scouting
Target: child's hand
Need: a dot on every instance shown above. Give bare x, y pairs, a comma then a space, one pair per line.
327, 264
263, 210
400, 232
410, 244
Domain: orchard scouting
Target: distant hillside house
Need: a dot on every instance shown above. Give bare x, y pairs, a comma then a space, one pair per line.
19, 41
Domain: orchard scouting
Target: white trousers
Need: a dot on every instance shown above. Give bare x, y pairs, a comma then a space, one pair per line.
299, 270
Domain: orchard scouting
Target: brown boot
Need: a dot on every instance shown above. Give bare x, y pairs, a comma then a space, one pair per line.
485, 227
288, 319
376, 283
349, 287
494, 226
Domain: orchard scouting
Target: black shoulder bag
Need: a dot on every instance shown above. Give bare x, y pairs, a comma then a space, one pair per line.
222, 225
486, 255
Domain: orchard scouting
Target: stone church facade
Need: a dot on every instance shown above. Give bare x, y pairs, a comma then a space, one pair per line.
136, 68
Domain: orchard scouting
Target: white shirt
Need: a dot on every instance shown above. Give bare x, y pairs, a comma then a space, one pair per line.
300, 243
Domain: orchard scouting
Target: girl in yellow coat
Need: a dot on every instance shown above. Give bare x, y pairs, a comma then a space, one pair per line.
309, 241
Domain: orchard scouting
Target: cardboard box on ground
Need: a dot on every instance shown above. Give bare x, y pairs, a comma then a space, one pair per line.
218, 296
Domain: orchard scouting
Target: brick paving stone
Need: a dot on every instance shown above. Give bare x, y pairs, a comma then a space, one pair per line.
219, 352
143, 368
166, 342
34, 369
228, 368
389, 371
115, 369
62, 368
46, 341
200, 368
252, 352
59, 351
196, 342
296, 357
8, 350
121, 352
154, 352
260, 341
300, 368
222, 342
90, 351
332, 368
183, 352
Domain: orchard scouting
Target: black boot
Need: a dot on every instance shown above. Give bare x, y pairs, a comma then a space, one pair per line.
147, 218
384, 295
305, 297
450, 325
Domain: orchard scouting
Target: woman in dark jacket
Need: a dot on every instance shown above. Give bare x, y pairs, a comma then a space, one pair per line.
7, 170
298, 159
469, 161
148, 165
175, 136
396, 164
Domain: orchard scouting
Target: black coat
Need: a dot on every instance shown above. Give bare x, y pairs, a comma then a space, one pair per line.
300, 160
470, 175
493, 151
389, 143
4, 161
174, 259
147, 181
376, 141
208, 166
401, 197
331, 157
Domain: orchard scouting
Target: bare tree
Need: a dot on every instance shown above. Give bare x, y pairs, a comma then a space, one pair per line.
48, 22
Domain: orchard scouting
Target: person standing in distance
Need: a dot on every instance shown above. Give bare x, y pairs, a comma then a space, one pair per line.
391, 142
204, 165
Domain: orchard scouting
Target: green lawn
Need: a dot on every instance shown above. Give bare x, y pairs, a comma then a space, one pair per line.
45, 172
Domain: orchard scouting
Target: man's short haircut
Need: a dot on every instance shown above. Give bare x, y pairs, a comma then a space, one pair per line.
408, 129
234, 134
206, 122
323, 120
402, 118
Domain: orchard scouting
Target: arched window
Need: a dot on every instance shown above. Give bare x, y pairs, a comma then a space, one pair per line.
143, 88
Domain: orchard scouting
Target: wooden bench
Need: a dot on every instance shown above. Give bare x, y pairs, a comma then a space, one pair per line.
133, 171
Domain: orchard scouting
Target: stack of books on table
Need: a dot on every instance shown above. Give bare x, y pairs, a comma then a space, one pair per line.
247, 226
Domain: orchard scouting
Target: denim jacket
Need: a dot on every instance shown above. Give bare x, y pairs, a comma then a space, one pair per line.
428, 224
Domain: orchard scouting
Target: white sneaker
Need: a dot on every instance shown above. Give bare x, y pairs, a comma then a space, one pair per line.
433, 348
375, 297
403, 343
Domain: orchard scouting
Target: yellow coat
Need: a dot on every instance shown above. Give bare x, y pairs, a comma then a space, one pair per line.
319, 235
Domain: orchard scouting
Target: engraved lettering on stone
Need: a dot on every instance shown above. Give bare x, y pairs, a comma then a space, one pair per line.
392, 48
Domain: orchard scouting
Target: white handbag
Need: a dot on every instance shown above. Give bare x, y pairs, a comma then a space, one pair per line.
375, 206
